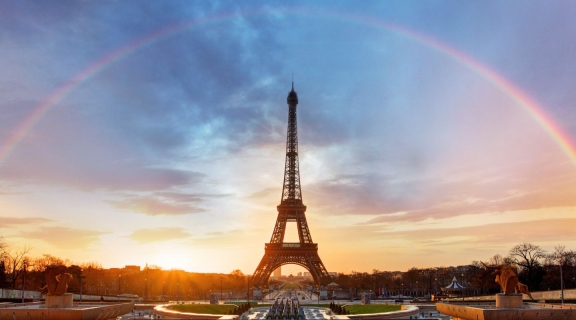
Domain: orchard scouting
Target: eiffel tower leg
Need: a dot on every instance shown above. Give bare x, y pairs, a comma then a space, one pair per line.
263, 271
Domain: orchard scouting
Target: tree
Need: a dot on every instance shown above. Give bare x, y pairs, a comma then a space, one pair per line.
16, 261
560, 258
237, 280
40, 264
3, 248
3, 282
3, 251
498, 260
482, 279
528, 256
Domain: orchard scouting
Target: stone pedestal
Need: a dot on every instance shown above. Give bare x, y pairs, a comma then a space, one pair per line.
365, 299
62, 301
508, 301
214, 298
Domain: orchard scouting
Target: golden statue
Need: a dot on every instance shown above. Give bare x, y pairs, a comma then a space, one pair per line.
507, 278
57, 280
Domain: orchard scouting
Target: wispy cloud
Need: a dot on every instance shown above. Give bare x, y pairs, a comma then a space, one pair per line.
154, 206
7, 222
507, 234
65, 237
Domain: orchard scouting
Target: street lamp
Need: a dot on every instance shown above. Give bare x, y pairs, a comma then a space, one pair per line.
462, 289
561, 281
163, 290
80, 284
24, 267
430, 285
220, 288
416, 288
145, 289
119, 277
248, 278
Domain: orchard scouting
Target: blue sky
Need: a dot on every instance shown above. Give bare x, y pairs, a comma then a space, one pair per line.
173, 152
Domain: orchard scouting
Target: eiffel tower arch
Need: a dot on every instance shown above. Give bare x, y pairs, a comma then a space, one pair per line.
291, 209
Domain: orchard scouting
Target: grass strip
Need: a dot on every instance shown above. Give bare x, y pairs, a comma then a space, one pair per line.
372, 308
203, 308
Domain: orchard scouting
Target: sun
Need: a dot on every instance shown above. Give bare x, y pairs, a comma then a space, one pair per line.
169, 260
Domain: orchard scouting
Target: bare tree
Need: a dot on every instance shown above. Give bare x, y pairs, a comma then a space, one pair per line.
527, 256
3, 248
40, 264
16, 261
560, 255
3, 251
498, 260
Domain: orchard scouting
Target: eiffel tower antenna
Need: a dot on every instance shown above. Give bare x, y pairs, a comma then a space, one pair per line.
291, 209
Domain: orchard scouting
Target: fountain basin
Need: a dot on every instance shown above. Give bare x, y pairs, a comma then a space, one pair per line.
529, 311
38, 311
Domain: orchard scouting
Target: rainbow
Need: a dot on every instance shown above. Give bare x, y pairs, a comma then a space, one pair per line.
553, 129
549, 125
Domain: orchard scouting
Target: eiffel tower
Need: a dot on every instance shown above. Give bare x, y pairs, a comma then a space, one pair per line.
291, 209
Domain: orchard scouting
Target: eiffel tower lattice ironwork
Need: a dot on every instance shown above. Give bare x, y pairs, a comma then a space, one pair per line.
291, 209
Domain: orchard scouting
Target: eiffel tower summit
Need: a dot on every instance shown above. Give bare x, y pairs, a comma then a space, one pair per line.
291, 209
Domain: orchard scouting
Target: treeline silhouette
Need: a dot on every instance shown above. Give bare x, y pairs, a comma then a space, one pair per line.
538, 269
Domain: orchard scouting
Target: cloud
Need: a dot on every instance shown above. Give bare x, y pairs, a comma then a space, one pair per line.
189, 197
209, 99
370, 193
158, 234
65, 237
397, 197
6, 222
266, 193
165, 203
537, 231
93, 173
153, 205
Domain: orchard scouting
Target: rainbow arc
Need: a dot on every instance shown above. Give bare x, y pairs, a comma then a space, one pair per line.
521, 98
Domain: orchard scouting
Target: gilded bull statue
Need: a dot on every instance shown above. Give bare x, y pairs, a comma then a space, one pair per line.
507, 278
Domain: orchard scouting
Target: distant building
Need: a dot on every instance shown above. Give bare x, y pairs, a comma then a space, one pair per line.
299, 274
131, 269
278, 272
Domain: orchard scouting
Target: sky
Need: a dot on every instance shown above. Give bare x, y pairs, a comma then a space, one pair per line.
430, 133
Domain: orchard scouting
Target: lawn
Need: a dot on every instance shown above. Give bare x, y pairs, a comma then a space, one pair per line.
289, 286
203, 308
371, 308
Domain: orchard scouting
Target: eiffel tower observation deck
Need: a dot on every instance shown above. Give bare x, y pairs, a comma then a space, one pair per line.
291, 209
